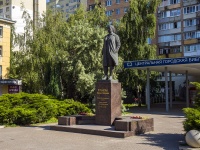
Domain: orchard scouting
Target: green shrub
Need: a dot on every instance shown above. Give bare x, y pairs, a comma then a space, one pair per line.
193, 114
197, 97
192, 119
23, 108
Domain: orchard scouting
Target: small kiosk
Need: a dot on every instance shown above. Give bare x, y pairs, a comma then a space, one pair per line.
10, 86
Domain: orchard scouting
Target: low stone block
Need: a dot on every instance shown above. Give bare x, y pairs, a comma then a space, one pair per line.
138, 126
141, 126
85, 120
66, 120
122, 125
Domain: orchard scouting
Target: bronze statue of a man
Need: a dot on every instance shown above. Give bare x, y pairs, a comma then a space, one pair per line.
110, 52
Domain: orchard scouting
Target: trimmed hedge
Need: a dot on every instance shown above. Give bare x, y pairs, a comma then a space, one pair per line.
192, 121
24, 109
192, 115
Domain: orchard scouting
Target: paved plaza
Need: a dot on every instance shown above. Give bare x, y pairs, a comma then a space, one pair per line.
168, 131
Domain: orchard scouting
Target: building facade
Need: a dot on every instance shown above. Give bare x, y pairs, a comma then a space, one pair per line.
178, 28
66, 6
115, 9
6, 85
178, 34
11, 9
5, 29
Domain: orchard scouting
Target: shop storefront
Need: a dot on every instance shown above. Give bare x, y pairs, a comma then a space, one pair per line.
10, 86
190, 66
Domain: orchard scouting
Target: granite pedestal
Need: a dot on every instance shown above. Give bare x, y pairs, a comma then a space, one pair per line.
107, 120
108, 101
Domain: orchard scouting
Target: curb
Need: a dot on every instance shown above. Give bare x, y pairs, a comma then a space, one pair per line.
1, 127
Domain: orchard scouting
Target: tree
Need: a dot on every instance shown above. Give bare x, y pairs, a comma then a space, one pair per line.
137, 26
59, 58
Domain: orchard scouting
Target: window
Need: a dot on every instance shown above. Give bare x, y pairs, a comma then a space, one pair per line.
149, 41
1, 50
190, 22
189, 35
174, 1
191, 9
170, 50
8, 16
164, 3
108, 2
169, 38
163, 26
167, 26
125, 9
126, 0
177, 37
72, 1
1, 10
1, 2
198, 34
118, 11
109, 13
7, 2
191, 48
117, 1
161, 51
1, 31
175, 12
71, 8
7, 9
164, 51
162, 14
91, 7
67, 4
0, 72
117, 21
175, 25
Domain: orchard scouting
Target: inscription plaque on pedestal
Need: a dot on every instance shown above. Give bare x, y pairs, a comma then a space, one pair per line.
108, 102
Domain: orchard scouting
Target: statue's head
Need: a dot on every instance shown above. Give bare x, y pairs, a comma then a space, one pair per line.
111, 29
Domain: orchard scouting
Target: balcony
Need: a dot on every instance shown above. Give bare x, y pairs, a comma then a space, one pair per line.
190, 41
191, 2
163, 4
165, 44
176, 18
190, 15
175, 43
198, 14
173, 6
191, 28
169, 31
198, 36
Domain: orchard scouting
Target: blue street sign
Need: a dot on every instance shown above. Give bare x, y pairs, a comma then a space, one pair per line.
161, 62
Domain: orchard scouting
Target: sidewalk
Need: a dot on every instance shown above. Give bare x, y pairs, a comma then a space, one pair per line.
168, 131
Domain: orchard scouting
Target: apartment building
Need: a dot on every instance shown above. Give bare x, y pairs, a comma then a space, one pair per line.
6, 85
66, 6
115, 9
178, 34
11, 9
178, 28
